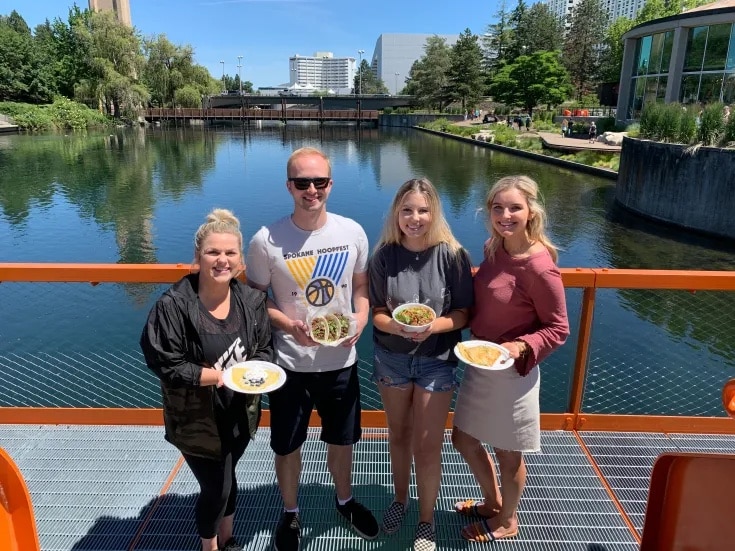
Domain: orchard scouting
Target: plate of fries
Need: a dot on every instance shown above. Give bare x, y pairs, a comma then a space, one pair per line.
484, 355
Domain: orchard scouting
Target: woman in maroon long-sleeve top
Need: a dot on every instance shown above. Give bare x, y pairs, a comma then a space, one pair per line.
519, 303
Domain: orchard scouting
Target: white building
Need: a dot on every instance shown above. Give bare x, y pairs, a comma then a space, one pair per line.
322, 71
614, 8
394, 55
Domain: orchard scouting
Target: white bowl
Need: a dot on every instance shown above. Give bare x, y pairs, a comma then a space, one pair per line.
413, 328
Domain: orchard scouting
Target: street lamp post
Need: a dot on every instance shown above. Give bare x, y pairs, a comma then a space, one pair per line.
359, 68
239, 71
224, 88
395, 92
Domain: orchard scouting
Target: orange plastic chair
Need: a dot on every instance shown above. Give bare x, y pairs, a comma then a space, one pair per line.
17, 523
728, 398
690, 501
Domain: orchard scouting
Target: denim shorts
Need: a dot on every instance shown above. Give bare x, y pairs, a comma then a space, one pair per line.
395, 369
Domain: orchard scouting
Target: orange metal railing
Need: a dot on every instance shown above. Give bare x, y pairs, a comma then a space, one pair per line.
589, 280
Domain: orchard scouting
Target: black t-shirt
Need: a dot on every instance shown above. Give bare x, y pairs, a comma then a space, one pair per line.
222, 346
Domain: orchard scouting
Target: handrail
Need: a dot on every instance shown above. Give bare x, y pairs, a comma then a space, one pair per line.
588, 279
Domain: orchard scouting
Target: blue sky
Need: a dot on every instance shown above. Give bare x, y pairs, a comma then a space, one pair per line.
267, 32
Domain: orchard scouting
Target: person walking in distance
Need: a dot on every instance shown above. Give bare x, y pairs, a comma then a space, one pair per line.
312, 259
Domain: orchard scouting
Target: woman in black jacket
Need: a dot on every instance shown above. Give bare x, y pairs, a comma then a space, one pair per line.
204, 323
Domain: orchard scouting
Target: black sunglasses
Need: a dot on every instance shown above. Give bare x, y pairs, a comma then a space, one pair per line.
302, 184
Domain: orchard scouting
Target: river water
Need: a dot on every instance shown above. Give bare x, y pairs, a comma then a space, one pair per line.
138, 195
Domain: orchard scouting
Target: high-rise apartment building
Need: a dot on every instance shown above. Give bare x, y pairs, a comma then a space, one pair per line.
322, 71
394, 55
121, 8
614, 8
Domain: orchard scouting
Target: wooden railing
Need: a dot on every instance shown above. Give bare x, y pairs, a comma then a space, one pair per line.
589, 280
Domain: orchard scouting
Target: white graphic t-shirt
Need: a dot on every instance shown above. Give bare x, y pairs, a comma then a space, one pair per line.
308, 270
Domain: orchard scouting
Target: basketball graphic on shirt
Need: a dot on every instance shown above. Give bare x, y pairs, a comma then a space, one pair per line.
318, 275
319, 292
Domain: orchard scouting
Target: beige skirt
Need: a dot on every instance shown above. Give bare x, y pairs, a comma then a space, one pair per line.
500, 408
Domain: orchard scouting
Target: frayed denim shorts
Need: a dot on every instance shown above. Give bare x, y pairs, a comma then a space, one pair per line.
397, 370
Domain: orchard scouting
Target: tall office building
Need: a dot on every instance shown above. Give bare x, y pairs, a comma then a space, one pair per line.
394, 55
614, 8
322, 71
121, 8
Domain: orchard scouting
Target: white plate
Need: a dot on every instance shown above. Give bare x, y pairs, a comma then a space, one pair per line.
412, 328
503, 362
233, 377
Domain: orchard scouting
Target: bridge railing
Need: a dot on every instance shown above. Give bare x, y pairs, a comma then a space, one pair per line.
663, 372
157, 113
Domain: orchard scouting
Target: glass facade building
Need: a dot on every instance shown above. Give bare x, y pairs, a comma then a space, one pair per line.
687, 58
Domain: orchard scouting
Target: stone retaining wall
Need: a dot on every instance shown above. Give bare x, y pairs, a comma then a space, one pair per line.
665, 182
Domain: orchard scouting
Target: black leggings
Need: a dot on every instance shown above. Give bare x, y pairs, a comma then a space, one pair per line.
218, 488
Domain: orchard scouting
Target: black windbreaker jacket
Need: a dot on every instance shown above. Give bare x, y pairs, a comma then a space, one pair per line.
173, 350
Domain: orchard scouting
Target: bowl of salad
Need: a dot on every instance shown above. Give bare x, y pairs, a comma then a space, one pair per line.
414, 317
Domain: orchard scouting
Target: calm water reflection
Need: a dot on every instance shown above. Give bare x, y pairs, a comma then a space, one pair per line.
138, 196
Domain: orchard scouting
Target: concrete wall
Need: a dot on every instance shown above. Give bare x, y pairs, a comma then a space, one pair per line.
413, 120
662, 181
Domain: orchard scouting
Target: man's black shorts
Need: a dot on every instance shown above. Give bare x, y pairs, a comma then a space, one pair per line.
336, 396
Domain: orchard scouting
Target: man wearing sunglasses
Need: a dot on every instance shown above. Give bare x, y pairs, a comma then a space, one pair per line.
313, 260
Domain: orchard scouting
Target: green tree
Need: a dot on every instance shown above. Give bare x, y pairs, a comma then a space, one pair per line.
188, 96
23, 75
582, 46
166, 67
117, 61
611, 60
519, 40
540, 30
71, 51
366, 82
539, 78
465, 74
497, 39
432, 81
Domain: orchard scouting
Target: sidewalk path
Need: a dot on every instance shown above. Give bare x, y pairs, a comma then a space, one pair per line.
553, 140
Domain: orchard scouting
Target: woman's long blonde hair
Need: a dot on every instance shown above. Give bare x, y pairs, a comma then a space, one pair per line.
439, 230
218, 221
536, 226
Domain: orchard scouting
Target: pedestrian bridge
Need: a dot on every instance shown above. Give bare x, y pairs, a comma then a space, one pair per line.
257, 114
357, 101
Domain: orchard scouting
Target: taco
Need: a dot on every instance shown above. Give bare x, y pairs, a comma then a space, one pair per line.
334, 327
344, 325
319, 328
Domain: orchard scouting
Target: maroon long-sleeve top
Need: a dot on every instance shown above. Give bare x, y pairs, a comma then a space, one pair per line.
521, 299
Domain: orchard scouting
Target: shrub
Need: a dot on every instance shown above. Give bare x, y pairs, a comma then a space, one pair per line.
687, 126
711, 124
669, 122
606, 124
729, 135
651, 121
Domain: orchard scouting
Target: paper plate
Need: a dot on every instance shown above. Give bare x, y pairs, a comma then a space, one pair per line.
245, 377
504, 361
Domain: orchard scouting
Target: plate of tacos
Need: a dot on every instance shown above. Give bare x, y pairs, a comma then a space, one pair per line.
331, 328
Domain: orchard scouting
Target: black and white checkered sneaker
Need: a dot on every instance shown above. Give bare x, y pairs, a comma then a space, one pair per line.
393, 517
425, 538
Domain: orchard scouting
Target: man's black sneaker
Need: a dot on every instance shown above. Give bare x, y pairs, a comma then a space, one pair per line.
362, 520
288, 533
232, 545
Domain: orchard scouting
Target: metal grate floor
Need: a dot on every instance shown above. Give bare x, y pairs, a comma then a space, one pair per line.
99, 488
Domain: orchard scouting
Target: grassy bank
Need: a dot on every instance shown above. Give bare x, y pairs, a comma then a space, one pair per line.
63, 114
507, 136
